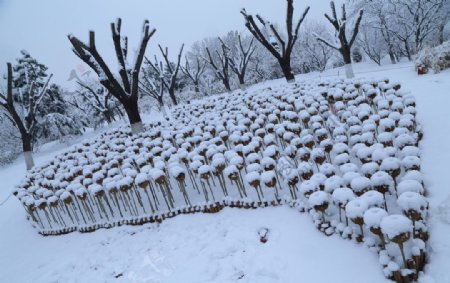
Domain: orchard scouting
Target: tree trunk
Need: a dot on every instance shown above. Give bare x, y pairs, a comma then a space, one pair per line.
347, 56
349, 74
197, 88
408, 50
392, 56
108, 116
132, 110
226, 83
242, 85
287, 70
173, 97
162, 107
441, 34
27, 151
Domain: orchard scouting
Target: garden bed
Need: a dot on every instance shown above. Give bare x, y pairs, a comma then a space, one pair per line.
346, 152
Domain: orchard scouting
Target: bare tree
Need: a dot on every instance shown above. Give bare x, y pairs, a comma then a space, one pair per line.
127, 91
222, 70
372, 43
271, 38
99, 98
263, 66
340, 25
151, 84
25, 123
387, 36
378, 21
420, 18
240, 53
194, 72
167, 71
309, 54
443, 20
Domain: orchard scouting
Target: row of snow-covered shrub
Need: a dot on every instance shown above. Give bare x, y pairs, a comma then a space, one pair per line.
345, 151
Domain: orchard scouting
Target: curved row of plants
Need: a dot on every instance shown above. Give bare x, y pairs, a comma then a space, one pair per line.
346, 152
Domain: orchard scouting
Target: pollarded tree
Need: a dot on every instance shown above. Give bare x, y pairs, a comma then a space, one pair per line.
272, 39
167, 71
240, 53
340, 25
25, 122
127, 91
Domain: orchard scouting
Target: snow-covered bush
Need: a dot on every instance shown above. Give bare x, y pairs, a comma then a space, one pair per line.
10, 142
436, 58
55, 126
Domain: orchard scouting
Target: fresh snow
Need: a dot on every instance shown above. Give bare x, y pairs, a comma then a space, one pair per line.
394, 225
210, 248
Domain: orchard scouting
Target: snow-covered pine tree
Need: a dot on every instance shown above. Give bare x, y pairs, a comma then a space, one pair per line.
27, 70
126, 92
55, 120
23, 115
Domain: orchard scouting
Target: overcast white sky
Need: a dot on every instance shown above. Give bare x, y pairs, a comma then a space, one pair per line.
41, 26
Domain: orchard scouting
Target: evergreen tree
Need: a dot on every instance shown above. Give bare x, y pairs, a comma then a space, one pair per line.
27, 71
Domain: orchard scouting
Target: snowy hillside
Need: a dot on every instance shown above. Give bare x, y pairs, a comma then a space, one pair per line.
124, 254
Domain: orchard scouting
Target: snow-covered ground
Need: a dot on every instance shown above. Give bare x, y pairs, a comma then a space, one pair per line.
225, 247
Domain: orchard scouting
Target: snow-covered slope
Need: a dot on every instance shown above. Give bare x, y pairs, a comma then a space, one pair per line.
172, 251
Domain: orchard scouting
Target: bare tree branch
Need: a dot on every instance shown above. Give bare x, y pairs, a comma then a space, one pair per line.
284, 54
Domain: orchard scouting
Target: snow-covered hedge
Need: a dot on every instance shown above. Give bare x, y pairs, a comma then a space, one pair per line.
10, 142
345, 151
436, 58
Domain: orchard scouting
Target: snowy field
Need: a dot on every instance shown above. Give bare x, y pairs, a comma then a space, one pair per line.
225, 247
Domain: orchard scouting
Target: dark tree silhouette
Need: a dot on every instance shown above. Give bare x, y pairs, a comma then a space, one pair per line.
340, 26
127, 91
271, 38
25, 123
